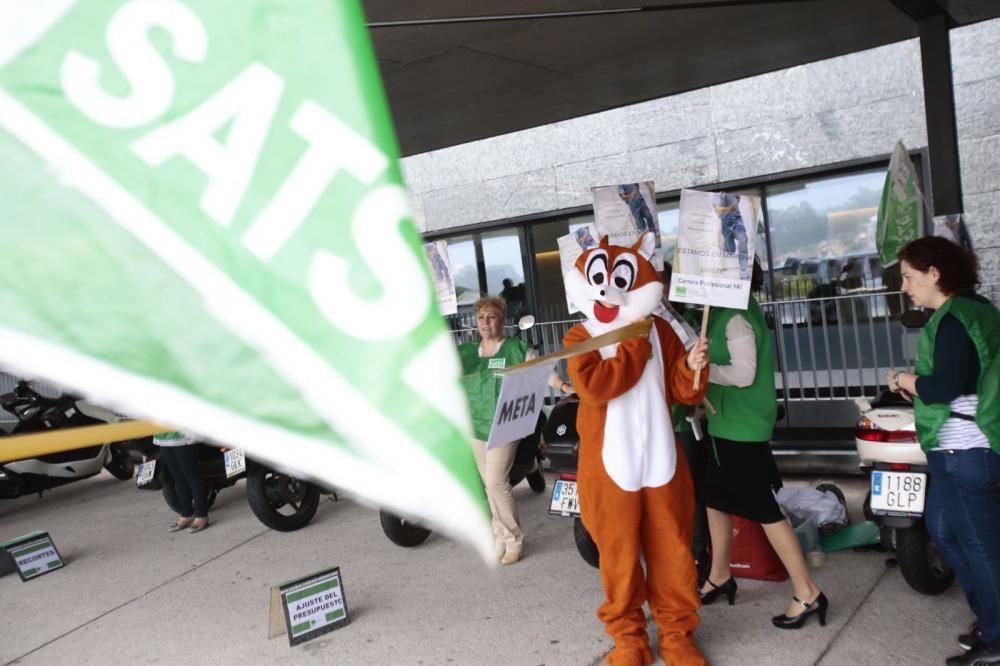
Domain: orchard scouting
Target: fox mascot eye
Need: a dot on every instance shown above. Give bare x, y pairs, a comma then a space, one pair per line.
614, 285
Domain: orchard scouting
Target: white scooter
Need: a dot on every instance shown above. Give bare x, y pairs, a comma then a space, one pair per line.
886, 440
36, 413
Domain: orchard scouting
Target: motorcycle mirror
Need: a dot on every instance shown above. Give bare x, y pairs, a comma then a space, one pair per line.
914, 318
526, 322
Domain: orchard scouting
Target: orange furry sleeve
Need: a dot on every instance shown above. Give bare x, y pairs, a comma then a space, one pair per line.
680, 378
599, 380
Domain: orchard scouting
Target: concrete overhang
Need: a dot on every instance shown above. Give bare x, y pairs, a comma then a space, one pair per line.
454, 82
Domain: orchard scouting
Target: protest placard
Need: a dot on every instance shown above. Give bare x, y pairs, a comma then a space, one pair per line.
519, 404
713, 259
444, 281
308, 606
32, 555
571, 246
716, 243
625, 212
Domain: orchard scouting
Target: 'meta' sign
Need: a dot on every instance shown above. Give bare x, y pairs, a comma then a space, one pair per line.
520, 400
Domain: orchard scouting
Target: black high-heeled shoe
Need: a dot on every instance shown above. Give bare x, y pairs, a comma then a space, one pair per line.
728, 588
818, 607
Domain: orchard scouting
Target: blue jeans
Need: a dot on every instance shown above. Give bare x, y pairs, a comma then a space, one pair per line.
963, 518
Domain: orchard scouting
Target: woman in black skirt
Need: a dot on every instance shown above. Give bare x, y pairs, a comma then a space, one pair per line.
741, 475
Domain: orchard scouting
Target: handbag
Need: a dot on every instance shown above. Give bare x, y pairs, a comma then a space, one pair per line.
752, 555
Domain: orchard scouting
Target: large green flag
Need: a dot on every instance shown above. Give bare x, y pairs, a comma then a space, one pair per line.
900, 212
205, 224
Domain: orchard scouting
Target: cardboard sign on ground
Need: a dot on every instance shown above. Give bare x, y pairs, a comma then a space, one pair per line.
307, 607
32, 555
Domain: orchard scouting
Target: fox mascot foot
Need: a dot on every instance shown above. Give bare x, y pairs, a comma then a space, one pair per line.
629, 656
680, 650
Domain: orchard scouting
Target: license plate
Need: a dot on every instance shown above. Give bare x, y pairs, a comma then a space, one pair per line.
565, 499
236, 462
146, 472
898, 492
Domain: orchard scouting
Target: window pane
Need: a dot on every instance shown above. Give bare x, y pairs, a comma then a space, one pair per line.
504, 259
668, 215
462, 254
551, 294
823, 232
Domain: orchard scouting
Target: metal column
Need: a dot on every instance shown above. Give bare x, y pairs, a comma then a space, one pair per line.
939, 107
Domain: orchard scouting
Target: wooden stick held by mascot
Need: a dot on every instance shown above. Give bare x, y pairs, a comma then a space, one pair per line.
636, 494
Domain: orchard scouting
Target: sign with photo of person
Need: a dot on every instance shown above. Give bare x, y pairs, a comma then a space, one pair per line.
716, 243
625, 212
571, 246
444, 281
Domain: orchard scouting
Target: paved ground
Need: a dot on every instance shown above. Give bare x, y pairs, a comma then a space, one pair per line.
132, 593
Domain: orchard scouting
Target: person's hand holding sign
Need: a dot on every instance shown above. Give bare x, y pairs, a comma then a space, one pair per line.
697, 358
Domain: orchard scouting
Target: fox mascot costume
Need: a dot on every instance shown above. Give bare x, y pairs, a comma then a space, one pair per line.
636, 494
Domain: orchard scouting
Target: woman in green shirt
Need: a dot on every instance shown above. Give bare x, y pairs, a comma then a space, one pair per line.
741, 475
483, 364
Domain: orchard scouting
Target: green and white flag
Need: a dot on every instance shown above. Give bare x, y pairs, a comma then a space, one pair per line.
205, 225
900, 212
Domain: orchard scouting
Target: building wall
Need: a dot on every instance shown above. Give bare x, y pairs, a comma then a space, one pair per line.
846, 108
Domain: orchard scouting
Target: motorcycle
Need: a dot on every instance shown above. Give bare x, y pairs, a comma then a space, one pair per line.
278, 500
560, 445
887, 444
37, 413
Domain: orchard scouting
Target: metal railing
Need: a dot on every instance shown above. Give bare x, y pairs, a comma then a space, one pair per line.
826, 349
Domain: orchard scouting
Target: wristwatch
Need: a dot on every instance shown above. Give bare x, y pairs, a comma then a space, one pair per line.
895, 379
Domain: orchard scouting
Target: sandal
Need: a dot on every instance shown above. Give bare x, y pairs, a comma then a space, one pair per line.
197, 528
180, 524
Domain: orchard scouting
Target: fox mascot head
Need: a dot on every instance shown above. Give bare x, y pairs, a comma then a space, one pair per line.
614, 285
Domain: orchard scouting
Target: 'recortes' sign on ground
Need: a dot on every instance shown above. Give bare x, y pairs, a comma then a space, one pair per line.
32, 555
206, 226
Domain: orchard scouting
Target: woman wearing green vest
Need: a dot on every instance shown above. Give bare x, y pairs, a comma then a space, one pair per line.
741, 474
956, 399
483, 364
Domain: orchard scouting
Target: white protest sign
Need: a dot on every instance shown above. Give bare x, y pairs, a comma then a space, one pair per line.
625, 212
444, 281
520, 402
571, 246
716, 243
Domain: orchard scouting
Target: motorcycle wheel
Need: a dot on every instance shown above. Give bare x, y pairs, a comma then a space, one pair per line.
920, 562
536, 479
402, 532
585, 544
119, 463
280, 501
170, 491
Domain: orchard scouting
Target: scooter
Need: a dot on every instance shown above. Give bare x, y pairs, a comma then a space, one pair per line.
561, 445
37, 413
280, 501
887, 444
